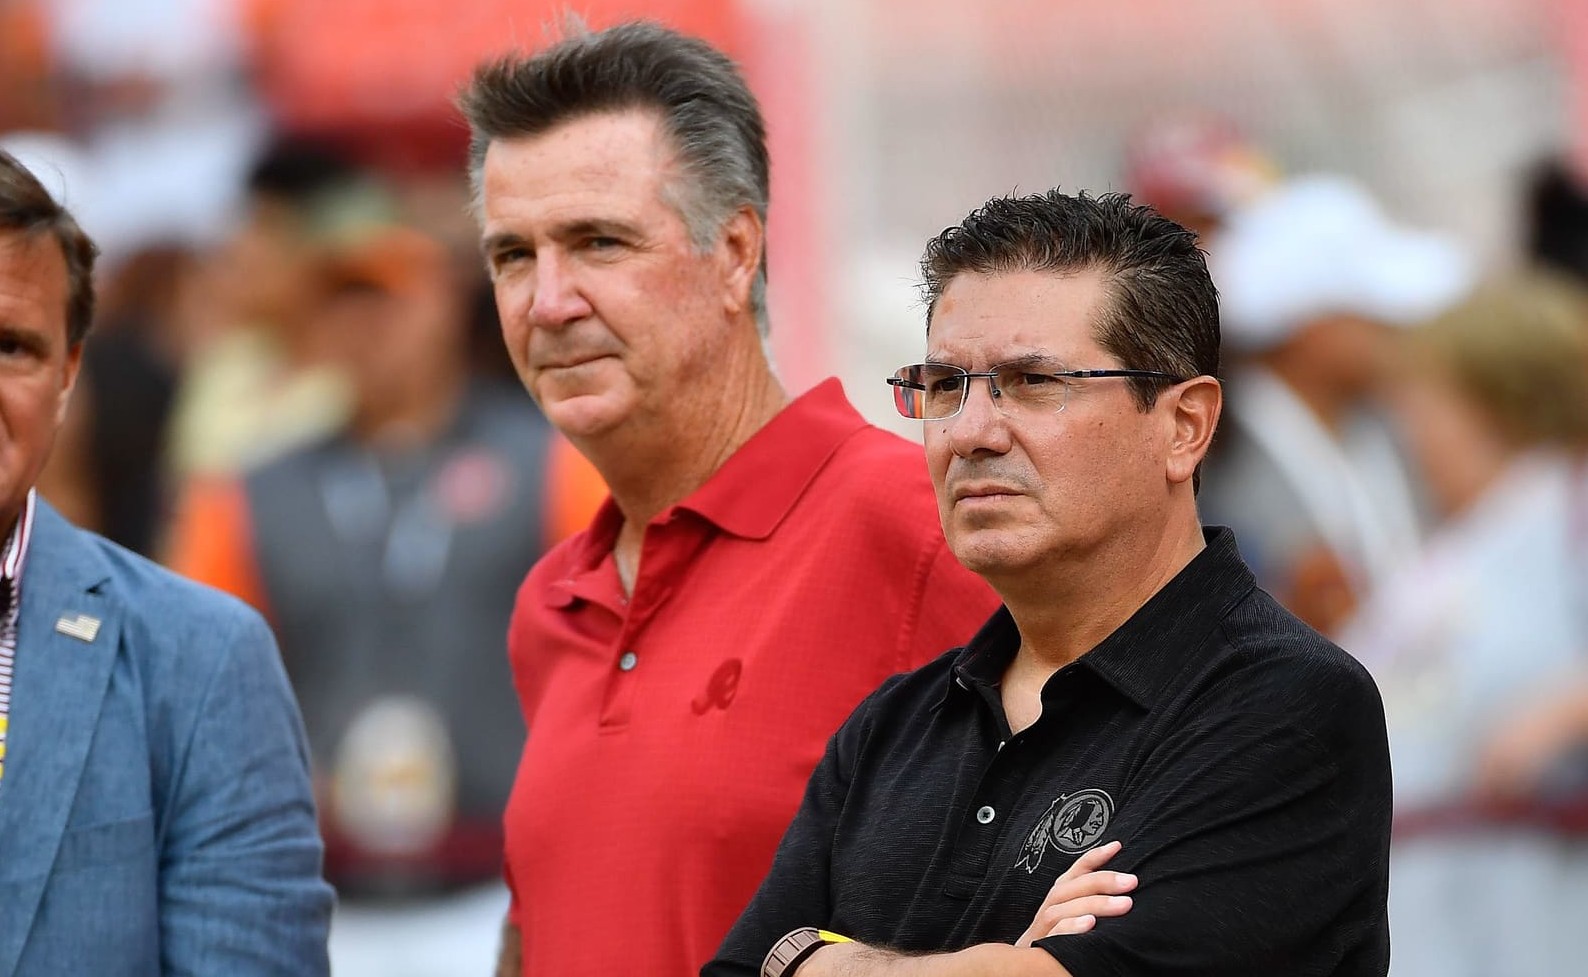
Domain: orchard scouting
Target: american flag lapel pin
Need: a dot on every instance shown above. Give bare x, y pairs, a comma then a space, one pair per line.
81, 626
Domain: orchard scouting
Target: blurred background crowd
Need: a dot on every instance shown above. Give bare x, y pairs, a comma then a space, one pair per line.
296, 389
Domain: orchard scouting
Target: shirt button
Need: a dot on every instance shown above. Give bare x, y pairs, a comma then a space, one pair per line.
628, 661
986, 814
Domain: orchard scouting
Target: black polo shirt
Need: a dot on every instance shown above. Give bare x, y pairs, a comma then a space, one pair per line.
1239, 757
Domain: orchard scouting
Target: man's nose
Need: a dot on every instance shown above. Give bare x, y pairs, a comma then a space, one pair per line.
981, 424
558, 299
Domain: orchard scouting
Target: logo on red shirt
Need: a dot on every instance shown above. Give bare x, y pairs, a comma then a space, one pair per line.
724, 685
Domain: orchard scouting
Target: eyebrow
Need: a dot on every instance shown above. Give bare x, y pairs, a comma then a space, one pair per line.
31, 340
584, 228
596, 227
1042, 358
492, 243
1038, 358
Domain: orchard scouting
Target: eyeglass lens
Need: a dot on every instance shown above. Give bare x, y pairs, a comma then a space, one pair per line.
930, 391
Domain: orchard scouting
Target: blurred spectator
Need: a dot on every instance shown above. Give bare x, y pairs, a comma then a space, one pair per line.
257, 381
1479, 638
386, 556
1310, 278
1196, 169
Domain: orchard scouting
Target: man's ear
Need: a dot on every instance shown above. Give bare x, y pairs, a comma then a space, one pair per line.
74, 363
743, 240
1194, 408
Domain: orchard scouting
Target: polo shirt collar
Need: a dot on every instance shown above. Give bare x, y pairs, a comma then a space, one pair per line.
988, 653
14, 557
757, 487
1141, 658
597, 542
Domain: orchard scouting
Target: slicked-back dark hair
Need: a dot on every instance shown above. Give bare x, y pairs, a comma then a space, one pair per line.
26, 207
704, 105
1163, 312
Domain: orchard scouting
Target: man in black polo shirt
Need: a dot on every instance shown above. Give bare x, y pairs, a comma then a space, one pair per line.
1137, 686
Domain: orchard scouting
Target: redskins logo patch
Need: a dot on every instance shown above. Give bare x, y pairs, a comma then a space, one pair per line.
1073, 823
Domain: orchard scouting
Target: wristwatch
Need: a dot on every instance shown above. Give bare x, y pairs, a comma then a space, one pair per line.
792, 950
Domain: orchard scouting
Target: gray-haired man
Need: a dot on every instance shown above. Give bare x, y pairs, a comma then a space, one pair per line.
763, 563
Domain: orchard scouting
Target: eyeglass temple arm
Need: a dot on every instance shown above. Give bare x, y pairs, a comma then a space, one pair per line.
1085, 374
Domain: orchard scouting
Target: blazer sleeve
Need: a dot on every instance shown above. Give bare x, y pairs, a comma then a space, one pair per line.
241, 892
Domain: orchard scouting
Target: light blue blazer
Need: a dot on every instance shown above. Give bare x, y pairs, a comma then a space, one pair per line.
155, 813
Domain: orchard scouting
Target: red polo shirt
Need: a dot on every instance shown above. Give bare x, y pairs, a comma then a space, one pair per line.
671, 734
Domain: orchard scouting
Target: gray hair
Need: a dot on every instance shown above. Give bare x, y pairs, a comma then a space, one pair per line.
704, 105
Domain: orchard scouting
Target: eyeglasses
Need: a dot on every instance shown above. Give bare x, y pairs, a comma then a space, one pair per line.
934, 391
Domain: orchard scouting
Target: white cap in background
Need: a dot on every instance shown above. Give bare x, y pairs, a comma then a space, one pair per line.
1317, 246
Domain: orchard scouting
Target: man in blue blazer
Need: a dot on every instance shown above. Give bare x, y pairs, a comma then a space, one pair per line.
156, 816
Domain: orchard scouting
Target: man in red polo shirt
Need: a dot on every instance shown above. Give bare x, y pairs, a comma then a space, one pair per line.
762, 564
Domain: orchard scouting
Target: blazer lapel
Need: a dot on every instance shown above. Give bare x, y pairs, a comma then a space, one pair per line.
63, 668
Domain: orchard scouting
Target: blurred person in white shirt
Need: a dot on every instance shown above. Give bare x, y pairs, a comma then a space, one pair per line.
1312, 277
1480, 646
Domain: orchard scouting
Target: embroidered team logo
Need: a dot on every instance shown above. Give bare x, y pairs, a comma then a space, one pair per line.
724, 685
1073, 823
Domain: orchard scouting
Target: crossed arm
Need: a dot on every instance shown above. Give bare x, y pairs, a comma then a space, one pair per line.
1073, 904
1228, 813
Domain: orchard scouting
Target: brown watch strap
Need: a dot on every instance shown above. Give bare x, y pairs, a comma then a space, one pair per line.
789, 952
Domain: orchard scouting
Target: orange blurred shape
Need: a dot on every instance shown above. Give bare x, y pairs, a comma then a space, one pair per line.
24, 67
387, 70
